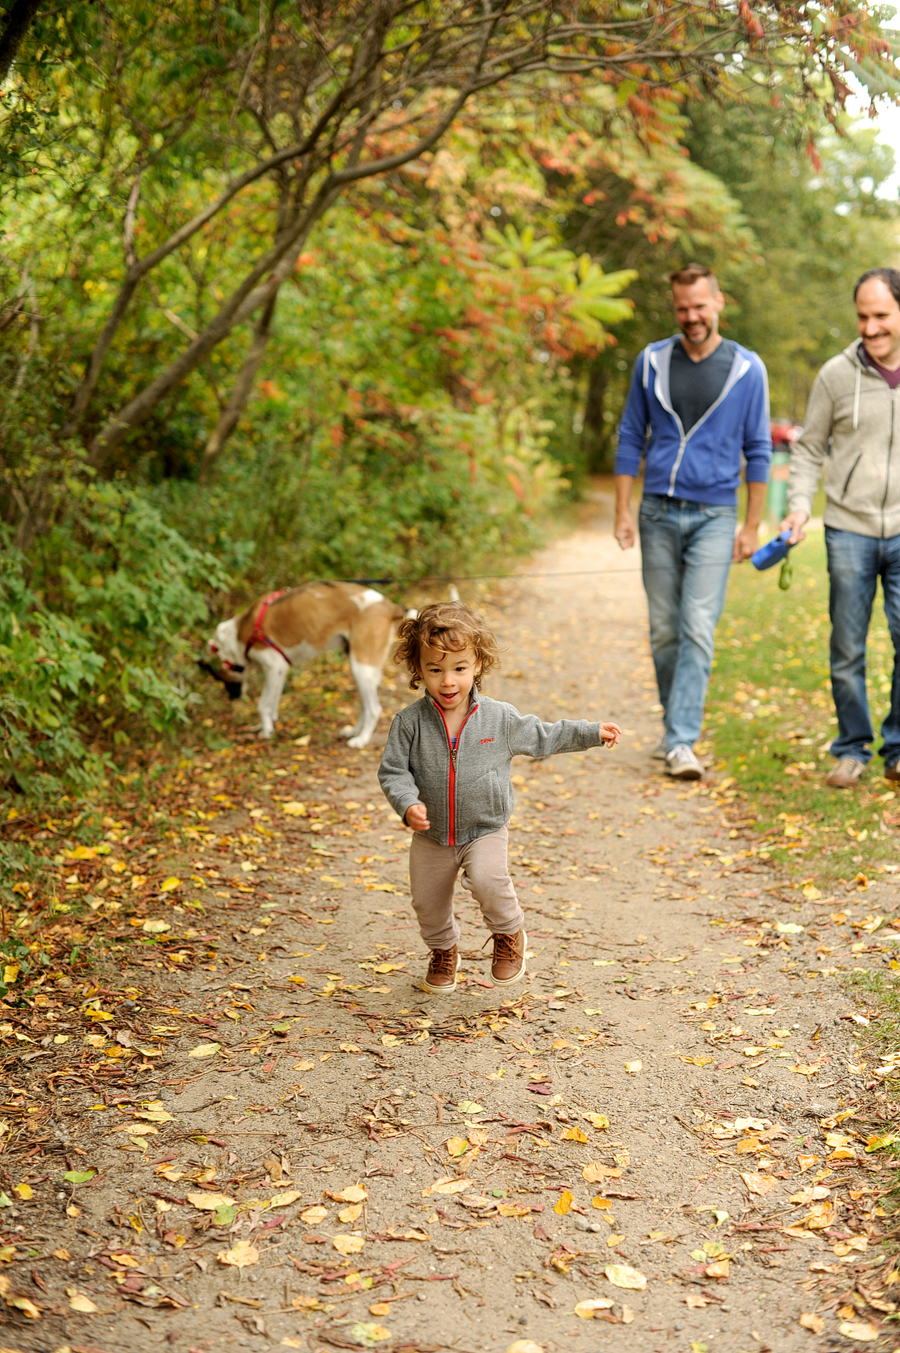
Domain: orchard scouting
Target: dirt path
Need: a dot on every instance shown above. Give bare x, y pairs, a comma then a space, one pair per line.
355, 1164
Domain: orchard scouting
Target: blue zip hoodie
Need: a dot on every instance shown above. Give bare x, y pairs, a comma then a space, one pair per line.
704, 464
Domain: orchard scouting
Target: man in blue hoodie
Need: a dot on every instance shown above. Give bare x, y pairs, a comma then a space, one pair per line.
698, 403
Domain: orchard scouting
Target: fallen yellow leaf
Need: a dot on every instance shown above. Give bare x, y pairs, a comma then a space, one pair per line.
586, 1309
170, 884
283, 1199
241, 1255
209, 1202
79, 1302
354, 1193
205, 1050
622, 1275
814, 1323
351, 1244
448, 1185
759, 1184
593, 1172
512, 1210
313, 1215
597, 1120
563, 1203
860, 1330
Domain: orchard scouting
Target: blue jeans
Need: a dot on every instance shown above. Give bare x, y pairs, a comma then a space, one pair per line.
855, 563
686, 553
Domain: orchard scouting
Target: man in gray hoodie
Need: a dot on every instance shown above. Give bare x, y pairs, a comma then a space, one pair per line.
852, 432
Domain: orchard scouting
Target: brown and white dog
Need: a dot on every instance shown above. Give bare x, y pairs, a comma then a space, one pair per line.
287, 629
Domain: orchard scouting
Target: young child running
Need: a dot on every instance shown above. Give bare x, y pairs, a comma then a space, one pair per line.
446, 772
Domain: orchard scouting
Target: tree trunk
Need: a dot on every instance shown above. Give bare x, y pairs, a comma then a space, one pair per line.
21, 17
596, 434
241, 392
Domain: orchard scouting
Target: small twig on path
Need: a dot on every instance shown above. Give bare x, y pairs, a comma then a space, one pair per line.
208, 1105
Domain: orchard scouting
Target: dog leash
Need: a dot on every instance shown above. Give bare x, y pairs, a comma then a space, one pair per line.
502, 577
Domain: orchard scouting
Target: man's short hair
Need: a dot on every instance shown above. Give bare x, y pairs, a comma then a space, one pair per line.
694, 272
889, 276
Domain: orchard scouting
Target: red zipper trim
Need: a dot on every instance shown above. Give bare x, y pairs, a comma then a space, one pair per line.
451, 786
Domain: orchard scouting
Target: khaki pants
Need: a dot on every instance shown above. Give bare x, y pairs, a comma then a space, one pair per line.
432, 875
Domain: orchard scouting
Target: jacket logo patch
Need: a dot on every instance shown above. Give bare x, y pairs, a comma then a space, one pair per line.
484, 740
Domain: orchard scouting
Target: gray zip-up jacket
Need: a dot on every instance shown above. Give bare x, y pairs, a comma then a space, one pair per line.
468, 793
852, 429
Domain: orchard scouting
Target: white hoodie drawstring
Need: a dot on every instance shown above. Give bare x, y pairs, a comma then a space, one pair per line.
856, 396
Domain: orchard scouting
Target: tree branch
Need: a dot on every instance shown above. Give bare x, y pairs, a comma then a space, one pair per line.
241, 390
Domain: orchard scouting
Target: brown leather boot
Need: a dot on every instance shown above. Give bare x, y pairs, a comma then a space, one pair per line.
508, 963
440, 979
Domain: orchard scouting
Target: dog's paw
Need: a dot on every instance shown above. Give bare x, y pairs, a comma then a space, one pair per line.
264, 733
346, 731
358, 742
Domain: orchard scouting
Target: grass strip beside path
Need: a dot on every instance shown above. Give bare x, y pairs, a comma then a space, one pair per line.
770, 721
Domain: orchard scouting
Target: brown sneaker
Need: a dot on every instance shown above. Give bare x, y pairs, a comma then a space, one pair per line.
846, 774
440, 979
508, 962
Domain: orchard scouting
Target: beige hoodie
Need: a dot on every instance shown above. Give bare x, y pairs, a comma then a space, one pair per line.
855, 410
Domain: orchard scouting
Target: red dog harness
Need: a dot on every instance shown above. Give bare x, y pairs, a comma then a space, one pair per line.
257, 636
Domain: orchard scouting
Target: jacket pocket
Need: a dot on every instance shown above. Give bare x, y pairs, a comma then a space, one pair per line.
653, 507
850, 475
495, 795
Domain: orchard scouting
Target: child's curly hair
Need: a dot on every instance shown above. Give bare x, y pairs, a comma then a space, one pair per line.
451, 627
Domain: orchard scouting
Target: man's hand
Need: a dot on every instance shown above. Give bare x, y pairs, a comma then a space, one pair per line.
795, 522
610, 733
746, 542
417, 817
625, 531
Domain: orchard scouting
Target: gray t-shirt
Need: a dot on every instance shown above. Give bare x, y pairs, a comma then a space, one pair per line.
694, 386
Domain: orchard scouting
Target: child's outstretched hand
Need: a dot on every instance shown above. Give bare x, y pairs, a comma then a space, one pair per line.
610, 734
417, 817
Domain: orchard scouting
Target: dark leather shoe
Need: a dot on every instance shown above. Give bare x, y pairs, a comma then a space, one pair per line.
508, 963
440, 979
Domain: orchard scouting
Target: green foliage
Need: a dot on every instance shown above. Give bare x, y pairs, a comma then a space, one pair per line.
819, 222
91, 633
787, 227
15, 960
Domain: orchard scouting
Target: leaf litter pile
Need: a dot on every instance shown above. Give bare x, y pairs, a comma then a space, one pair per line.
231, 1118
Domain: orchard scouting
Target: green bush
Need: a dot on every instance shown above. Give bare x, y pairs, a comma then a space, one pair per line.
92, 628
433, 491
